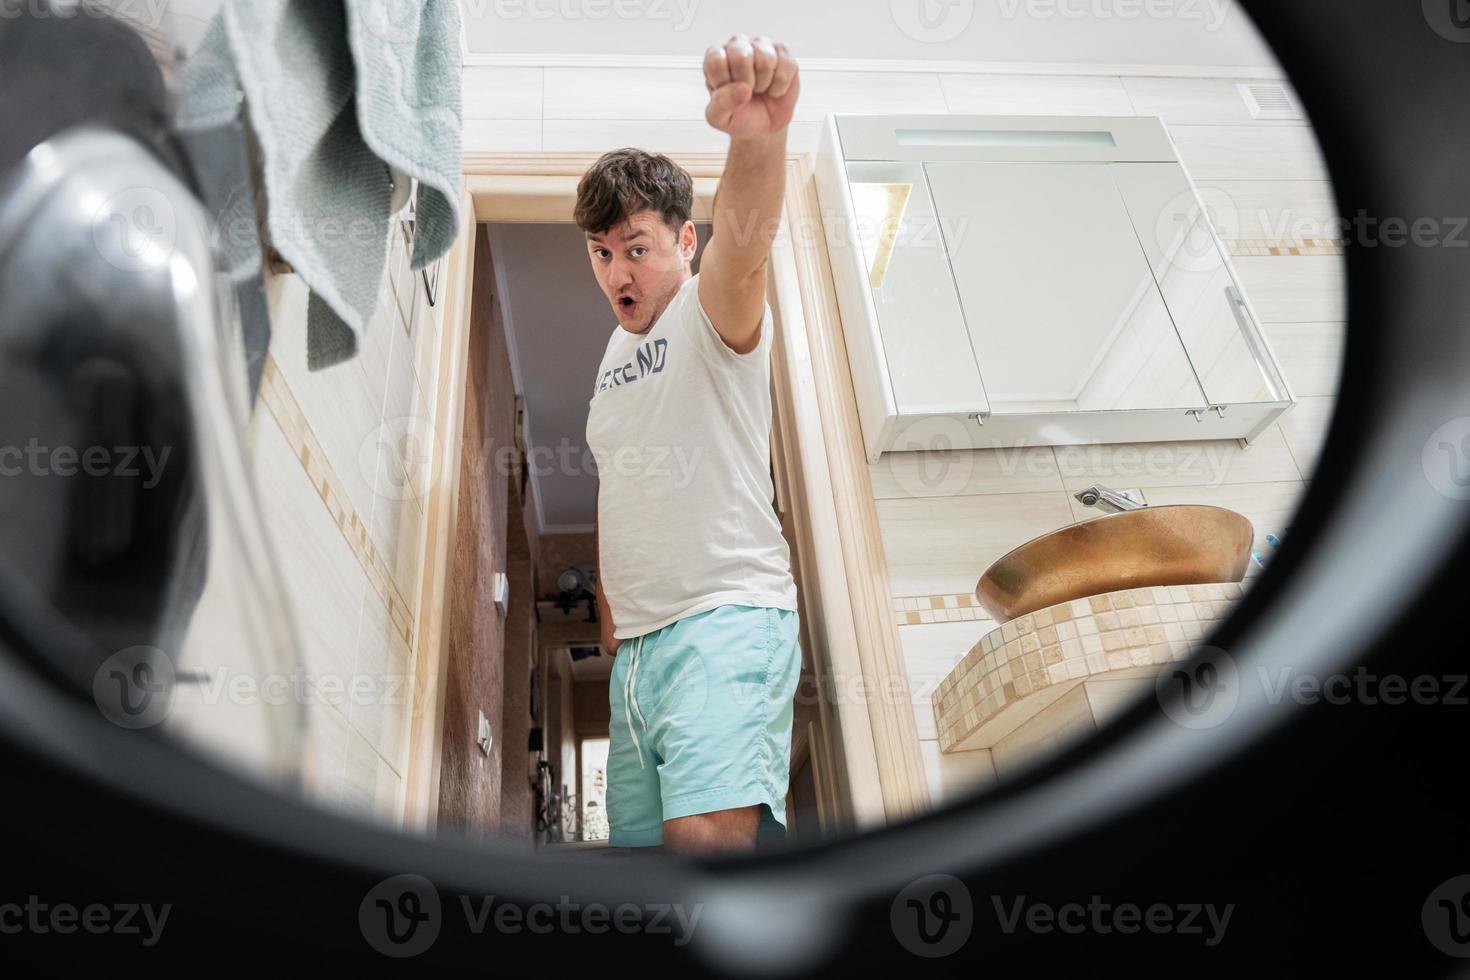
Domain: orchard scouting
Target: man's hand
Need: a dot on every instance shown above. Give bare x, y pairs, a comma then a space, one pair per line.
753, 84
604, 614
610, 643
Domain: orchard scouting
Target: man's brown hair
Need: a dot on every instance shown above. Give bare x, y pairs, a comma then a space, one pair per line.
623, 182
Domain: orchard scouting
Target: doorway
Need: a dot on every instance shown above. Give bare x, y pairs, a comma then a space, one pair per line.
864, 765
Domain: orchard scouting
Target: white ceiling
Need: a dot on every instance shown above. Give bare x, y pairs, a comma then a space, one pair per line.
557, 323
1214, 33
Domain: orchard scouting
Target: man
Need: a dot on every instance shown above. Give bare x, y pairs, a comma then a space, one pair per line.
694, 585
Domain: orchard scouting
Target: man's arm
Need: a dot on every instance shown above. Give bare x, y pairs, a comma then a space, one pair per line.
604, 615
753, 85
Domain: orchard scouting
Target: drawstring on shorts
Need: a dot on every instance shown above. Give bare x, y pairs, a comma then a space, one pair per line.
630, 701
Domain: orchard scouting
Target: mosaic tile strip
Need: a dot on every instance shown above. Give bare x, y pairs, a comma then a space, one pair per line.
914, 610
1285, 246
1116, 631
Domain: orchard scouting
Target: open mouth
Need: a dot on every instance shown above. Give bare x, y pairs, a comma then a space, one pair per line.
627, 304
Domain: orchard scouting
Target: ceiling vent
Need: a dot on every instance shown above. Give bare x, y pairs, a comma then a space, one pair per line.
1268, 100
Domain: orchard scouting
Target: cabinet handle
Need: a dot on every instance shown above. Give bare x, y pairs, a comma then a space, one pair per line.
1247, 324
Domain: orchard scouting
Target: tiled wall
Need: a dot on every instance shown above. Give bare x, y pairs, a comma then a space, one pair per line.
943, 525
339, 476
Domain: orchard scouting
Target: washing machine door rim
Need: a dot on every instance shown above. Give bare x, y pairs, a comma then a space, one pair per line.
106, 259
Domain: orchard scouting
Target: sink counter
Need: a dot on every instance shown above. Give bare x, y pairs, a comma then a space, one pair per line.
1019, 669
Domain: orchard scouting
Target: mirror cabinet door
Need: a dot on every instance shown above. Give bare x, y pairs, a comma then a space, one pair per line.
930, 360
1207, 304
1062, 306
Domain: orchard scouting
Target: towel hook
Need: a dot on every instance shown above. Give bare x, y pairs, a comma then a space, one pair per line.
431, 285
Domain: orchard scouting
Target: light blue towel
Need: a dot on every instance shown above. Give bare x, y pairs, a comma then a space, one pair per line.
337, 92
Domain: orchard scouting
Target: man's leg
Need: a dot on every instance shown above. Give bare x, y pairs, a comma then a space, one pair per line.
714, 832
634, 810
719, 702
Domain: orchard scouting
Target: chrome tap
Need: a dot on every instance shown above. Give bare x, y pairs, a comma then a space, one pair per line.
1112, 501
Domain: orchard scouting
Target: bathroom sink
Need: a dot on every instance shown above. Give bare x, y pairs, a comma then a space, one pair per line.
1186, 544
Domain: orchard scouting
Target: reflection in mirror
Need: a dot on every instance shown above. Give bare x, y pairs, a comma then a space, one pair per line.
1221, 337
1061, 304
913, 290
880, 207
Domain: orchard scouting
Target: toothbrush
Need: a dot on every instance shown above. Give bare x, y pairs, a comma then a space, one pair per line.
1273, 541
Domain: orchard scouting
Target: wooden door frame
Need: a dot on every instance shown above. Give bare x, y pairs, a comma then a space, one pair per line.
868, 745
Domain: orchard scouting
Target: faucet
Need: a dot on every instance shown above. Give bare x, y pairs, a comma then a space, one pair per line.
1112, 501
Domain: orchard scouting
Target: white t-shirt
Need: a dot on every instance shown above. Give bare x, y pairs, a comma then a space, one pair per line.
679, 425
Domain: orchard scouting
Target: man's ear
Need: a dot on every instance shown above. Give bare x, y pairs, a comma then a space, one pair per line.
689, 240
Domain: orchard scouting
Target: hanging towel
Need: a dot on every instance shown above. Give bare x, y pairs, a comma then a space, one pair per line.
339, 94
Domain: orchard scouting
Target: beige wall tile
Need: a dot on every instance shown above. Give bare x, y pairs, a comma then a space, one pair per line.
1275, 209
1249, 152
337, 403
379, 708
943, 545
626, 93
374, 353
1295, 289
1062, 95
600, 135
823, 92
501, 135
1310, 355
1025, 469
370, 787
1174, 464
400, 525
1305, 428
1054, 728
670, 94
1109, 697
1193, 100
680, 136
324, 583
502, 93
405, 283
375, 349
401, 390
955, 775
402, 469
930, 652
425, 335
327, 769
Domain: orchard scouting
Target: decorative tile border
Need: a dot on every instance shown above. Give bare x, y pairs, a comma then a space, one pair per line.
303, 442
913, 610
1072, 640
1285, 246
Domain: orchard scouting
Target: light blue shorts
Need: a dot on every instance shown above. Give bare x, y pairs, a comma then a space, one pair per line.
701, 721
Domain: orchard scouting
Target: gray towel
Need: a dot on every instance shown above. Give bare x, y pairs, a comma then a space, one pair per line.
338, 91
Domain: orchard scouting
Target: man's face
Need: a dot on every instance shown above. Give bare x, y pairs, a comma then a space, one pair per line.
640, 265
